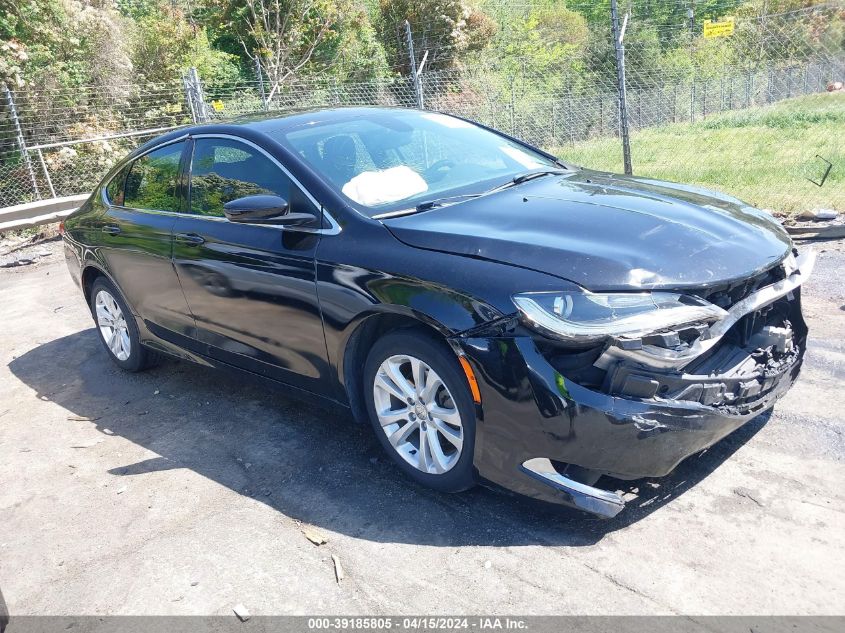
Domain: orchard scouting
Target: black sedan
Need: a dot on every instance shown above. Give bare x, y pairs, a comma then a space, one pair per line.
496, 314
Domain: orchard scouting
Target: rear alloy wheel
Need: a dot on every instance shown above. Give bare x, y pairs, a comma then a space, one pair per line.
117, 328
112, 325
421, 410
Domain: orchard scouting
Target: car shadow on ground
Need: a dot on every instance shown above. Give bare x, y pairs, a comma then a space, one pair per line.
309, 462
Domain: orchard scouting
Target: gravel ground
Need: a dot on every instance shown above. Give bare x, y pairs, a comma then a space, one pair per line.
184, 491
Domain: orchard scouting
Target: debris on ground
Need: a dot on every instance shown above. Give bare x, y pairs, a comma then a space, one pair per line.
802, 228
20, 261
314, 536
89, 444
24, 251
338, 568
121, 490
818, 214
747, 494
81, 418
241, 612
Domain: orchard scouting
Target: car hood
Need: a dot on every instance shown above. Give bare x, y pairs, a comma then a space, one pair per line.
606, 232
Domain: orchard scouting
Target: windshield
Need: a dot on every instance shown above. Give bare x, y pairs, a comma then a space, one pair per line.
386, 161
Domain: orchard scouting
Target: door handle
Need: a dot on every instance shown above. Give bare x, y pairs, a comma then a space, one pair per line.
190, 239
111, 229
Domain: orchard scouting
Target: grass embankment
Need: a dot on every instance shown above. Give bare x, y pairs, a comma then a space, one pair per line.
762, 155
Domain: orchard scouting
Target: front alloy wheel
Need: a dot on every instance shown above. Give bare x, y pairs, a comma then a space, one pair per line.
418, 414
421, 409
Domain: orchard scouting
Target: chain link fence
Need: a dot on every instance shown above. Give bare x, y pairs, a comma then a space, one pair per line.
747, 111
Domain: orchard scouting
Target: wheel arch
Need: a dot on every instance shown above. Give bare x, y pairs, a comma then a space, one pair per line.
90, 273
363, 334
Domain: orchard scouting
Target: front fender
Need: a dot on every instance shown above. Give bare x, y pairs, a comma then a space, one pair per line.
350, 297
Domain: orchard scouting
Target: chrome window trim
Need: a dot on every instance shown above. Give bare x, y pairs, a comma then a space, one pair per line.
334, 227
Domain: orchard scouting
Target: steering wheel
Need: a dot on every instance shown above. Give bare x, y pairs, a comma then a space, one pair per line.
439, 169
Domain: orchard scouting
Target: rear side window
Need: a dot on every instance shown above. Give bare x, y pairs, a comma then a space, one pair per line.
114, 190
153, 179
223, 170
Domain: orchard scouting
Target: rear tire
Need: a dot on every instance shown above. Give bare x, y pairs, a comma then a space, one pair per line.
116, 328
421, 409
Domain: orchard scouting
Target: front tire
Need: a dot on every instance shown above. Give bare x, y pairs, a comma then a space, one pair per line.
421, 409
116, 327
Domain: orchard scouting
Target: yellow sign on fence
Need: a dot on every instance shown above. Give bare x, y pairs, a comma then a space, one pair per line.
722, 28
217, 105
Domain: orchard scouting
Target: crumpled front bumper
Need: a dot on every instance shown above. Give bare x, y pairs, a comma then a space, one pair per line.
531, 414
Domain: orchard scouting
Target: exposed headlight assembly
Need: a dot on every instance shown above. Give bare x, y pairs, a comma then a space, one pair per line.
585, 317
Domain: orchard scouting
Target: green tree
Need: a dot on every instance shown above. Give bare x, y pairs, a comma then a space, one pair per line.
294, 38
448, 29
53, 43
166, 41
551, 38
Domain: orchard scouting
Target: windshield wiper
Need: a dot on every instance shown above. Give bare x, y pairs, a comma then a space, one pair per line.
531, 175
428, 204
447, 200
516, 180
440, 202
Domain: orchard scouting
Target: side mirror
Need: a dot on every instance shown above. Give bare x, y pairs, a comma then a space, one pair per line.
263, 209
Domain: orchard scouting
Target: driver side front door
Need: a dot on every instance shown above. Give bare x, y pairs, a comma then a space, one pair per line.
251, 288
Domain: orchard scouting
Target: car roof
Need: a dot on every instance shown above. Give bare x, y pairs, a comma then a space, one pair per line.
271, 121
293, 120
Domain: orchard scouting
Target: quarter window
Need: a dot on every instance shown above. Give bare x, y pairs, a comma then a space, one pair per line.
153, 180
114, 190
223, 170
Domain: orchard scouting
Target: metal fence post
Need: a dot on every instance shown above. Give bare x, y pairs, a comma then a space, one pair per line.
46, 173
13, 113
199, 97
618, 35
601, 115
513, 109
259, 74
415, 80
335, 92
692, 101
186, 82
747, 89
675, 103
769, 87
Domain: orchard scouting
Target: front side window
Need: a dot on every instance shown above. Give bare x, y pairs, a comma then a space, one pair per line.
223, 170
391, 160
153, 180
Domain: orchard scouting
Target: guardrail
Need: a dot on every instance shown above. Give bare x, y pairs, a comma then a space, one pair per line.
29, 214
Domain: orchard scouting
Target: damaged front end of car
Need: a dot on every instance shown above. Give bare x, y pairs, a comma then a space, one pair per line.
729, 363
630, 384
